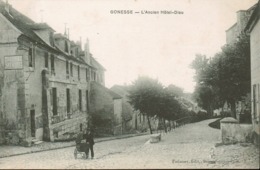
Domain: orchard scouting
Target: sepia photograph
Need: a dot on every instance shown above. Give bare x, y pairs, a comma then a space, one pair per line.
129, 84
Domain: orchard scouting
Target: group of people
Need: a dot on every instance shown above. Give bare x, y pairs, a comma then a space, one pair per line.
88, 136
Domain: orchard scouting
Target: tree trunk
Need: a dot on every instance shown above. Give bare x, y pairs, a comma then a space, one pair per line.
233, 108
164, 124
209, 110
149, 124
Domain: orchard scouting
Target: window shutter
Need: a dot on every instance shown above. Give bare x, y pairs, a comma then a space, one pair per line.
258, 103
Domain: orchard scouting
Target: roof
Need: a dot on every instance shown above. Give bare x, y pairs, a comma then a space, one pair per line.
112, 94
27, 28
40, 26
121, 90
232, 27
249, 9
21, 22
254, 18
95, 63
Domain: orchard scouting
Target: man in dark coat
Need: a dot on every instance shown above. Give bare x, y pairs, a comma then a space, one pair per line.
90, 141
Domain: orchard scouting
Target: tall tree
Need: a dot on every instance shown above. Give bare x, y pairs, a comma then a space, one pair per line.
175, 90
225, 77
145, 94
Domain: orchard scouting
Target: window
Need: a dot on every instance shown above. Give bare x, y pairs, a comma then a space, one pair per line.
68, 100
87, 75
80, 100
87, 102
54, 101
95, 78
78, 72
30, 57
46, 60
52, 64
67, 69
71, 69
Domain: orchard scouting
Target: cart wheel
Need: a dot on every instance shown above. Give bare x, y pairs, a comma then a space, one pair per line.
75, 153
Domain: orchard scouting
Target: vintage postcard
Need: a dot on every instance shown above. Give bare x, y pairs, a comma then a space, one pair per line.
129, 84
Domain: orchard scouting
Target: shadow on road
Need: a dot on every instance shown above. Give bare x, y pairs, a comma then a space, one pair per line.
215, 124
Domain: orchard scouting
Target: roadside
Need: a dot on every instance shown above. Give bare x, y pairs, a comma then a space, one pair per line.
11, 150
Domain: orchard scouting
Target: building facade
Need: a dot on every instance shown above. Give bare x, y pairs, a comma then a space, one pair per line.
44, 81
236, 29
253, 28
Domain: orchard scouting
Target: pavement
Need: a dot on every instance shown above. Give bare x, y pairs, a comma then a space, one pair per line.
11, 150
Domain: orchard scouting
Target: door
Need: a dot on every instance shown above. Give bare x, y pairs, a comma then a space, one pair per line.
32, 115
54, 99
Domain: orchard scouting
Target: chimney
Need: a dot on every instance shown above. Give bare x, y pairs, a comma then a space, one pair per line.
7, 7
87, 53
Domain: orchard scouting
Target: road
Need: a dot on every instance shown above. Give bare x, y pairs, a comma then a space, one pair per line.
190, 146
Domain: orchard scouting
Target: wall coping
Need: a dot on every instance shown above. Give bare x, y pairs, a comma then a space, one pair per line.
229, 120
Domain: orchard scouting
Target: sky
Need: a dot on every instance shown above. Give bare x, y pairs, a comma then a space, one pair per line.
161, 46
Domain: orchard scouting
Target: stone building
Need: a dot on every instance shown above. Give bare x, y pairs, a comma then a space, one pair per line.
236, 29
132, 120
105, 110
253, 28
44, 81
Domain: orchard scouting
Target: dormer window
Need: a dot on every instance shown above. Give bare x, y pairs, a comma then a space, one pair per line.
77, 52
87, 74
66, 47
51, 39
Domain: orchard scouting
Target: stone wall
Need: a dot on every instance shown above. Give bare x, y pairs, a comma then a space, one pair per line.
233, 132
11, 85
255, 77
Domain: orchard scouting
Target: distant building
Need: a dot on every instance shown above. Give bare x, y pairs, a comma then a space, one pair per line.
253, 28
105, 110
45, 81
132, 120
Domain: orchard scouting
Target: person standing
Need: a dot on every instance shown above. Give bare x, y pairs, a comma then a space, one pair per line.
90, 141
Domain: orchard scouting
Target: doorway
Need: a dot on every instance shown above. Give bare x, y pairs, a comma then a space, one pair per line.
32, 116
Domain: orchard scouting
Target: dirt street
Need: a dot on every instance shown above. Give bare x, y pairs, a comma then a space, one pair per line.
190, 146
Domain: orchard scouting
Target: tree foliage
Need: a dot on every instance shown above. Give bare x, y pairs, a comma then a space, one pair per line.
225, 77
152, 99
